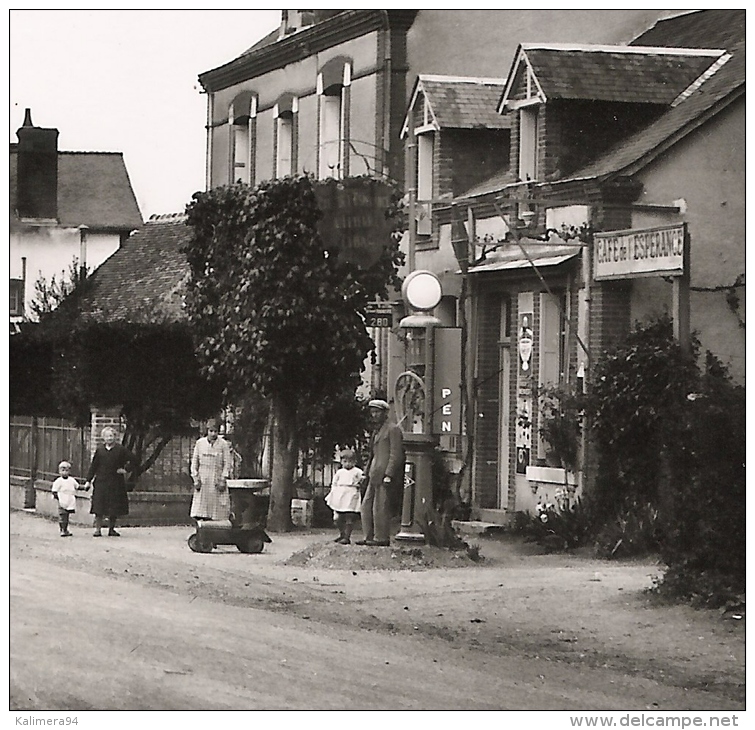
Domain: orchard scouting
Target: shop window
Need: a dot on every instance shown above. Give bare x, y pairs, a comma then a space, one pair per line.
552, 346
528, 133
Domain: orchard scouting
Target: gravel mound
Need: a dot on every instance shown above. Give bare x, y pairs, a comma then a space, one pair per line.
395, 557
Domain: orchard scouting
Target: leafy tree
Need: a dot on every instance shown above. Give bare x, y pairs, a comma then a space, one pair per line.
70, 361
276, 311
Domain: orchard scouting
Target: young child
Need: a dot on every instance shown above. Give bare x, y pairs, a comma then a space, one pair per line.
64, 491
344, 497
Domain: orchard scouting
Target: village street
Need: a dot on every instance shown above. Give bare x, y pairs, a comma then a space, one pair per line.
140, 622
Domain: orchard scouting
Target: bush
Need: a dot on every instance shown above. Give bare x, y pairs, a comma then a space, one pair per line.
635, 531
556, 529
705, 514
706, 589
670, 439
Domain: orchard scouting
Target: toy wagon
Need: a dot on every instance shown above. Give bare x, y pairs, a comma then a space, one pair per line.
243, 529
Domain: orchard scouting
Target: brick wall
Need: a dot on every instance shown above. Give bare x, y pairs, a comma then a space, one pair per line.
609, 316
470, 156
102, 417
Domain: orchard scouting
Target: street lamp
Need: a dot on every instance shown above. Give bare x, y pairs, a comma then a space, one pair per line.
413, 393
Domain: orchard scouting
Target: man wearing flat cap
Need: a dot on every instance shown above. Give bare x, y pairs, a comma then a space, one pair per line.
385, 471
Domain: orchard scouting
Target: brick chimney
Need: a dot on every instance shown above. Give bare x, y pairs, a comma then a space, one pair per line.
37, 177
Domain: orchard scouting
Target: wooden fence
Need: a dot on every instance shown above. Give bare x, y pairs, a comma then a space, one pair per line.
38, 445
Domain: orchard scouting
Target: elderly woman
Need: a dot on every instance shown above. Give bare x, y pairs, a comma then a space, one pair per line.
210, 467
110, 463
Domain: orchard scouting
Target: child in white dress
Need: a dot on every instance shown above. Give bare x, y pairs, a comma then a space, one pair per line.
344, 497
64, 491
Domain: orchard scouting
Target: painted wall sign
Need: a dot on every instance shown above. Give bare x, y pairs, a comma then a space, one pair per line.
447, 382
354, 218
648, 252
522, 459
525, 342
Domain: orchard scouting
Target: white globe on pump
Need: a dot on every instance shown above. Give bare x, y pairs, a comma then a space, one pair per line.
422, 290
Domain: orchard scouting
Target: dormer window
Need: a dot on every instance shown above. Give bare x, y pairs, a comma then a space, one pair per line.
285, 112
333, 84
425, 136
242, 117
528, 142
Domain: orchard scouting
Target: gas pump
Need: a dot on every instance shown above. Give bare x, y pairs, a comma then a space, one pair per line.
413, 397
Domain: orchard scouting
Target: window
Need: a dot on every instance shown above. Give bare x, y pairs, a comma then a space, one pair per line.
552, 346
528, 132
16, 297
425, 149
242, 117
285, 135
333, 84
552, 338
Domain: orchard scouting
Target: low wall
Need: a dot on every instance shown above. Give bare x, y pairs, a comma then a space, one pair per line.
20, 494
145, 508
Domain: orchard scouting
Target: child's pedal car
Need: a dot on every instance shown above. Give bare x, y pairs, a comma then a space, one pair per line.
244, 529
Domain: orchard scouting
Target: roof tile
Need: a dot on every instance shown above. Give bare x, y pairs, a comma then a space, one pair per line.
145, 274
464, 104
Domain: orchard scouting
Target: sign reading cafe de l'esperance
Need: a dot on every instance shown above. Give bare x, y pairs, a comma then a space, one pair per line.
648, 252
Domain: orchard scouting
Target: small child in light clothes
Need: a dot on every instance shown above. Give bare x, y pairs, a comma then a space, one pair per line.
64, 491
344, 497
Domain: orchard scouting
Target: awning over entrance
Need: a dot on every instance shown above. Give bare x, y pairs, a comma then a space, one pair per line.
542, 255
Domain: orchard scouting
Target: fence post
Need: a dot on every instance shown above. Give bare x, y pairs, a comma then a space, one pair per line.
30, 498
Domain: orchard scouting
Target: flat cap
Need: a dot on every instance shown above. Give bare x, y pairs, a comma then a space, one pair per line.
377, 403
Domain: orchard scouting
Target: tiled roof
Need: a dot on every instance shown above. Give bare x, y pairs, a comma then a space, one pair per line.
268, 40
464, 103
727, 83
93, 190
625, 75
145, 275
699, 29
493, 184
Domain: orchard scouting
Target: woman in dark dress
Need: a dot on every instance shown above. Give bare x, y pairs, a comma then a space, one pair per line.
110, 463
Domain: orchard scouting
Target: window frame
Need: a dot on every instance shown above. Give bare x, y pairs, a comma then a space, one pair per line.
333, 95
242, 134
529, 129
16, 290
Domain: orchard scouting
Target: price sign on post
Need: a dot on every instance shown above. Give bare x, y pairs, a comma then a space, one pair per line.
378, 315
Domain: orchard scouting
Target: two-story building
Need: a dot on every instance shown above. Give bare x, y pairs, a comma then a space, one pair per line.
64, 207
637, 138
327, 94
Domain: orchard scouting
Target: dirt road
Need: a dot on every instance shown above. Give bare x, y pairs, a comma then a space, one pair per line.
140, 622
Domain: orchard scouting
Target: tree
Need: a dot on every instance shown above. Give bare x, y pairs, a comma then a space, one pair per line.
72, 360
48, 295
278, 312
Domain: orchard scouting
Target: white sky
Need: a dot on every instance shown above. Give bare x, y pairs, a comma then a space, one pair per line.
126, 81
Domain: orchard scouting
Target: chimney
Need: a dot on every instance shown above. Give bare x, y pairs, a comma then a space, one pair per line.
37, 176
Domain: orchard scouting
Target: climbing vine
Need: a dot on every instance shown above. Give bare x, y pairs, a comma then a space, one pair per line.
279, 311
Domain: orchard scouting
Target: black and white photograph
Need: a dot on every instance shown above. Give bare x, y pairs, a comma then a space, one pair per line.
369, 361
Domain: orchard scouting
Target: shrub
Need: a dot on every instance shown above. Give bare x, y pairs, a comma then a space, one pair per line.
557, 529
635, 531
670, 439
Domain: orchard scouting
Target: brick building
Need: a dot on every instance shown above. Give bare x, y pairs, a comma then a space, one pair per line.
620, 137
327, 94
